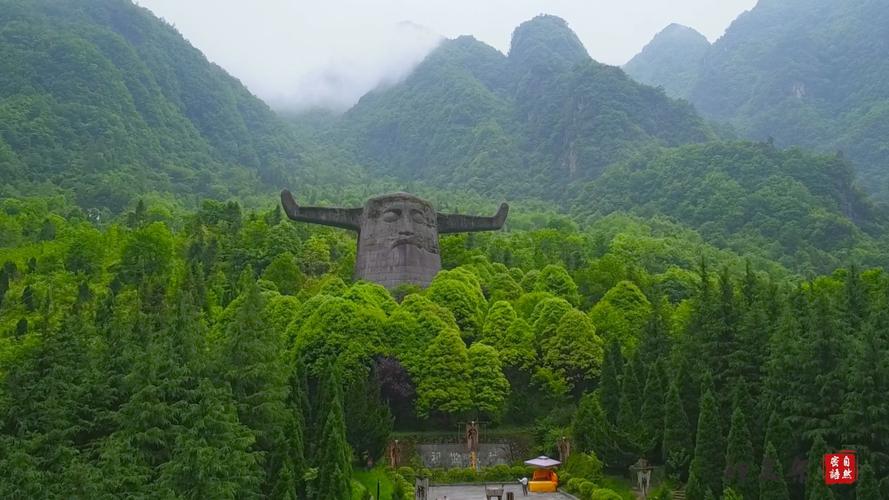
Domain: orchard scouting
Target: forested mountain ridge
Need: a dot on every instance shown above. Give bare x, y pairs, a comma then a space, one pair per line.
671, 60
106, 101
718, 308
809, 73
544, 115
226, 354
139, 111
547, 121
795, 207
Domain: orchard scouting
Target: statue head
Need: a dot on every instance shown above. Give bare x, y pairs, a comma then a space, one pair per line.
397, 234
399, 220
397, 241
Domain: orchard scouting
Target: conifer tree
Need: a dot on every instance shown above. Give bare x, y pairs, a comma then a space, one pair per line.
740, 468
253, 367
677, 446
778, 433
591, 432
149, 454
689, 393
300, 407
783, 383
815, 487
867, 487
656, 343
865, 405
334, 457
709, 457
46, 413
854, 305
819, 363
652, 416
748, 361
630, 403
609, 382
724, 342
4, 285
741, 399
772, 485
327, 390
368, 419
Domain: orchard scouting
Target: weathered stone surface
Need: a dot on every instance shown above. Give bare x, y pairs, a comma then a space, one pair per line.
397, 234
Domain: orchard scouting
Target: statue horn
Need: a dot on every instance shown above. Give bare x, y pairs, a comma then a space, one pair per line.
457, 223
346, 218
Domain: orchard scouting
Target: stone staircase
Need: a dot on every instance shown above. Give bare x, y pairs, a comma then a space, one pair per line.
679, 494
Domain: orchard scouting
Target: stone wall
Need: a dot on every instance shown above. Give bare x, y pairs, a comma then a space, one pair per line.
449, 456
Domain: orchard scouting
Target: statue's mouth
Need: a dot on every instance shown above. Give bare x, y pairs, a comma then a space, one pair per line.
406, 241
423, 244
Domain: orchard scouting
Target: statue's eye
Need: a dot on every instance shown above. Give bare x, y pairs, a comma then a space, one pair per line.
418, 217
391, 215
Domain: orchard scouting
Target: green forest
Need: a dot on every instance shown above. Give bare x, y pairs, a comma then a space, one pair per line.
669, 285
227, 353
805, 73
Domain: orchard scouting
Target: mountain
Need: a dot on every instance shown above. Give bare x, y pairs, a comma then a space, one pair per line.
104, 102
794, 207
548, 122
101, 99
807, 73
522, 124
671, 60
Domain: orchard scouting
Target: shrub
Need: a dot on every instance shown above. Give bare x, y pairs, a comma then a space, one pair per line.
498, 473
573, 485
461, 476
408, 473
359, 492
662, 492
402, 489
585, 465
587, 488
605, 494
518, 471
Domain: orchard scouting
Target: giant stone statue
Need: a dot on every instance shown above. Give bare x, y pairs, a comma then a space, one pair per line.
397, 234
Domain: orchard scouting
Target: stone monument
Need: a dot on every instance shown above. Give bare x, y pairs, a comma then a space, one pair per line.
397, 234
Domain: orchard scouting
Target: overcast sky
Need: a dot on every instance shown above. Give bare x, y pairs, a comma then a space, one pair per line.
297, 54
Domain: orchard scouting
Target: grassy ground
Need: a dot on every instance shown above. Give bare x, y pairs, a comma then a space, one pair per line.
369, 479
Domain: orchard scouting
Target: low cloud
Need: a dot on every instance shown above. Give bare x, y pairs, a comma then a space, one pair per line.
382, 60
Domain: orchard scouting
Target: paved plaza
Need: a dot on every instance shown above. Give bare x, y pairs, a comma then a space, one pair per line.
477, 492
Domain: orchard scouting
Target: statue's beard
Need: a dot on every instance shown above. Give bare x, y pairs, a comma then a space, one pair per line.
415, 241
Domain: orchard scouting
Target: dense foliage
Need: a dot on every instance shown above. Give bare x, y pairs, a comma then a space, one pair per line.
800, 209
718, 308
103, 100
671, 60
471, 116
138, 353
808, 73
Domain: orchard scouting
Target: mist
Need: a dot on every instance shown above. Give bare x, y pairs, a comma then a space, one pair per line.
376, 61
298, 55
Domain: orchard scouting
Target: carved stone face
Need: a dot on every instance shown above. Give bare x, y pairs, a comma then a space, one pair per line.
398, 241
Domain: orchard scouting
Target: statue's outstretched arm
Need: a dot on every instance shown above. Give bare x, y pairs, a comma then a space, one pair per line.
457, 223
346, 218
